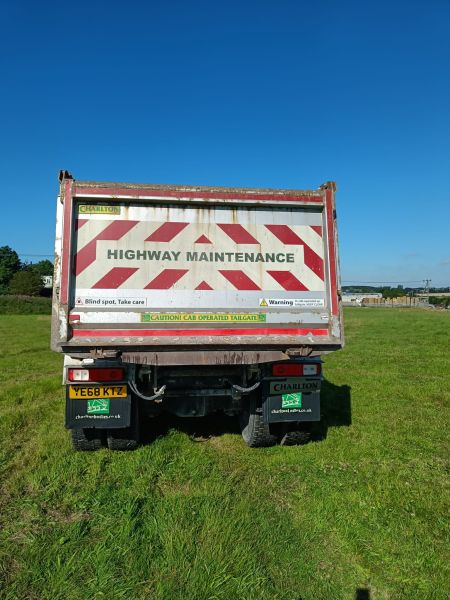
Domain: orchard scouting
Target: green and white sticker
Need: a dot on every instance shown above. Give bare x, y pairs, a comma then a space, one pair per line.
291, 400
99, 406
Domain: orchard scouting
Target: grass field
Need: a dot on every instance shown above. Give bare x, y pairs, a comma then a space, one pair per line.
363, 513
25, 305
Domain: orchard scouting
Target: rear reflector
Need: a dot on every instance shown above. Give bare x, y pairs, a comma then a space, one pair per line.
311, 369
295, 369
114, 374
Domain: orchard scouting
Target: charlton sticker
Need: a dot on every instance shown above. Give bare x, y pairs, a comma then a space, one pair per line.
98, 209
99, 406
291, 401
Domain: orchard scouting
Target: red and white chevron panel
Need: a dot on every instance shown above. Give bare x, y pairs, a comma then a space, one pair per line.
156, 255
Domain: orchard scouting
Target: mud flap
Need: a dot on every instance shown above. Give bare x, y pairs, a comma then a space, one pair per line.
297, 406
101, 413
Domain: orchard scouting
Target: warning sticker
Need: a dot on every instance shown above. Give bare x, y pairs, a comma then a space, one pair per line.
203, 317
105, 301
292, 302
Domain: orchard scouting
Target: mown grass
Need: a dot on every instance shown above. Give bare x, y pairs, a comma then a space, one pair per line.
197, 516
25, 305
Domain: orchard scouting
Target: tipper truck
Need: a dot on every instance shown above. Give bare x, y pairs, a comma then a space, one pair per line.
193, 300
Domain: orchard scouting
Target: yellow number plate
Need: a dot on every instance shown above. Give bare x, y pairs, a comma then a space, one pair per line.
80, 392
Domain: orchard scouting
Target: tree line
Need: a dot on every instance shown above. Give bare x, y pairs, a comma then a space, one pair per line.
390, 292
22, 278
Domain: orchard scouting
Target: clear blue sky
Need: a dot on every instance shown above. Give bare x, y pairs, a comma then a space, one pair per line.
253, 93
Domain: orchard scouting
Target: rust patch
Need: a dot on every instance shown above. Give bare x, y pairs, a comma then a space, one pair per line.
232, 357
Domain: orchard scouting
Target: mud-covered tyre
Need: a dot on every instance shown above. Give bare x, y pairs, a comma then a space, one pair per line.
255, 432
129, 437
87, 440
298, 436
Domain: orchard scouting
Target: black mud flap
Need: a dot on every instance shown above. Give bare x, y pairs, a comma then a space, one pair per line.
101, 413
295, 406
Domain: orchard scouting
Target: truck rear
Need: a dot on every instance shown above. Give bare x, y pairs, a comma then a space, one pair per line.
194, 300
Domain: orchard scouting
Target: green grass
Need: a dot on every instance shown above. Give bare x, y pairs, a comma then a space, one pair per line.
192, 516
25, 305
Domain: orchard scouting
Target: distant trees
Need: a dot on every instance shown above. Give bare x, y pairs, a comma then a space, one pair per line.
26, 283
42, 268
22, 278
389, 292
443, 301
9, 264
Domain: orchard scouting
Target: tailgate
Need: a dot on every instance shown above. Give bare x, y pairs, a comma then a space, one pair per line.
168, 267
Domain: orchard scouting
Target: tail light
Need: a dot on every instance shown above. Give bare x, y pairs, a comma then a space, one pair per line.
112, 374
296, 369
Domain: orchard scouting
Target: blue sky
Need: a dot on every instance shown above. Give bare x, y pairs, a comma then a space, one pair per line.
250, 93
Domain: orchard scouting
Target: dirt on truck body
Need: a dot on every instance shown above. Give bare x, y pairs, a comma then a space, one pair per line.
194, 300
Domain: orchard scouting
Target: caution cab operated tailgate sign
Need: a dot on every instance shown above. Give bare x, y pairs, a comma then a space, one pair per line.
203, 318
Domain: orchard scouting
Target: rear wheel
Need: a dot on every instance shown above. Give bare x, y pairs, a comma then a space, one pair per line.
87, 439
255, 432
127, 438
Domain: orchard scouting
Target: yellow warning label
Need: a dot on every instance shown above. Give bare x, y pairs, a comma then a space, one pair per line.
203, 317
98, 209
263, 302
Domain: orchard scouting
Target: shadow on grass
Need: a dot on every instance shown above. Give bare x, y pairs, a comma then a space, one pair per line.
335, 412
362, 594
335, 409
199, 429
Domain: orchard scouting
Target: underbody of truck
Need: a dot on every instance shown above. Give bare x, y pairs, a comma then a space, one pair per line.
107, 400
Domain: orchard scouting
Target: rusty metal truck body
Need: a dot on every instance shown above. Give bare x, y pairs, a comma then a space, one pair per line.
193, 300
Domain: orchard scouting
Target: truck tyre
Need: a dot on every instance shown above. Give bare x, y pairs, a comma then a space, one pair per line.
255, 432
297, 436
87, 439
128, 437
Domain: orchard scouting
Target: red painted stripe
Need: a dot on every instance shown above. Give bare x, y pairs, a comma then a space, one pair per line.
288, 281
317, 229
114, 231
79, 223
66, 248
193, 332
179, 194
285, 235
329, 199
312, 260
85, 257
237, 233
202, 240
239, 279
166, 279
114, 278
166, 232
203, 286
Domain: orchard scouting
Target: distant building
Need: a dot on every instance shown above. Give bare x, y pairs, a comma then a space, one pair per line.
47, 280
358, 299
